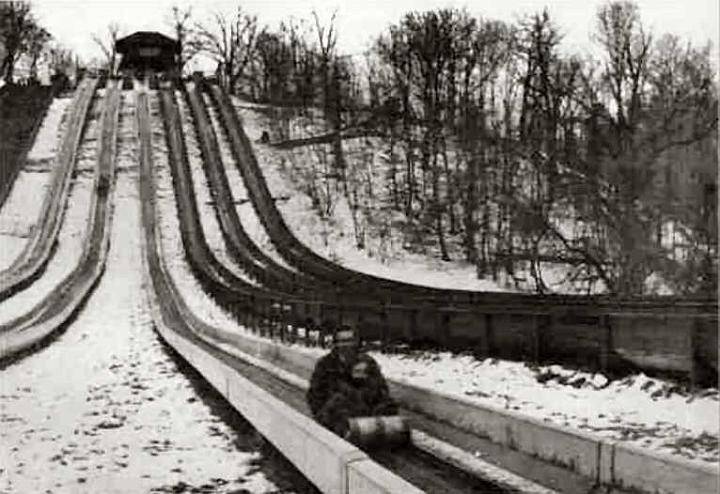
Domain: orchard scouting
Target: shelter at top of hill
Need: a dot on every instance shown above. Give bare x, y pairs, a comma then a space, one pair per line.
147, 50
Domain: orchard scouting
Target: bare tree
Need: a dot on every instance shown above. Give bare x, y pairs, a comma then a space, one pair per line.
542, 155
327, 40
275, 64
16, 25
627, 51
107, 45
37, 40
488, 48
231, 42
180, 19
61, 59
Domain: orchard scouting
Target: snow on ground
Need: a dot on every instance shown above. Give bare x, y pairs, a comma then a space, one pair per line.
203, 197
122, 418
248, 217
646, 412
21, 210
650, 413
334, 238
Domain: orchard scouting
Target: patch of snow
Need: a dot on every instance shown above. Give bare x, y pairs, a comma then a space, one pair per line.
650, 413
657, 285
334, 239
635, 410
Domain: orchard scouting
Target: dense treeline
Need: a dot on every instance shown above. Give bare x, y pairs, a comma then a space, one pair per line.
526, 151
496, 139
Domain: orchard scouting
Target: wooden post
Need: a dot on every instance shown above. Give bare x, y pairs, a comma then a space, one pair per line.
252, 325
542, 324
535, 337
339, 308
282, 321
360, 323
245, 318
267, 319
607, 342
310, 322
412, 324
445, 328
260, 320
321, 325
294, 321
695, 374
385, 330
306, 331
489, 349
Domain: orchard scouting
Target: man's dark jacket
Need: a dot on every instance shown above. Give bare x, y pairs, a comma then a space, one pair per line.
332, 377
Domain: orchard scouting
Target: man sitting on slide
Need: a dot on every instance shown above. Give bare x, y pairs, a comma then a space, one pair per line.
347, 383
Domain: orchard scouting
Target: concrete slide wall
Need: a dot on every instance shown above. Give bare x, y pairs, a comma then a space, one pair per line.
607, 462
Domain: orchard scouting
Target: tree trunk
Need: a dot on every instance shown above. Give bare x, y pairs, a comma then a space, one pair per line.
436, 200
469, 210
393, 173
8, 66
450, 187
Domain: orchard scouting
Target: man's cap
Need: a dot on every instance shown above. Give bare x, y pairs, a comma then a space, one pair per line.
345, 336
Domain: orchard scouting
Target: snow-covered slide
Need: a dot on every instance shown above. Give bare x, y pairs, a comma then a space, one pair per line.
240, 246
107, 408
238, 296
29, 265
291, 249
276, 409
272, 306
53, 311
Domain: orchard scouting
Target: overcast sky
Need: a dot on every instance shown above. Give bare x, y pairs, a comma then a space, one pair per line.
73, 22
